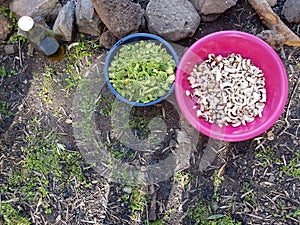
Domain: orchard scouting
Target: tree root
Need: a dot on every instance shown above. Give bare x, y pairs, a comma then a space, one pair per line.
273, 22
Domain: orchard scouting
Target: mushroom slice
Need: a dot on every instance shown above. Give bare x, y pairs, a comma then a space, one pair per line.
227, 90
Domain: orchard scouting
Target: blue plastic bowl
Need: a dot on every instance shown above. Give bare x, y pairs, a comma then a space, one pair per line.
135, 38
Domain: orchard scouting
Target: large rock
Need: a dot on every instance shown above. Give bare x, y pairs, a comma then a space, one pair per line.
215, 6
47, 9
121, 17
211, 9
86, 18
173, 20
4, 28
64, 24
291, 10
195, 3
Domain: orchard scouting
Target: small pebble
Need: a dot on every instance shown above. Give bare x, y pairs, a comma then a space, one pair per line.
127, 190
173, 144
20, 107
30, 51
273, 38
272, 2
107, 39
68, 121
270, 136
271, 178
95, 182
9, 49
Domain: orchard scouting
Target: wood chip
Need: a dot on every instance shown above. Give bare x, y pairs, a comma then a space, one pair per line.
221, 170
267, 183
68, 121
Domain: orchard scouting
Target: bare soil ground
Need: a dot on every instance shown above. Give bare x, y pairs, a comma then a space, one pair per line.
251, 182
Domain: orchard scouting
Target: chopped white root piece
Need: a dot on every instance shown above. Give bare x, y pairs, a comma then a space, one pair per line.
229, 90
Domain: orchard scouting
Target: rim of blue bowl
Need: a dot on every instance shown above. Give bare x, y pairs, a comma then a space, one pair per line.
133, 38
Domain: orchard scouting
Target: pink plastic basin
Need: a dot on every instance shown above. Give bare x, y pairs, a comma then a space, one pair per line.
262, 55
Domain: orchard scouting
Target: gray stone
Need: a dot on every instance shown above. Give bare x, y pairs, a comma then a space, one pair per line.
179, 49
108, 39
215, 6
121, 17
291, 10
47, 9
86, 18
273, 38
172, 20
196, 4
4, 27
210, 17
40, 20
64, 24
272, 2
10, 49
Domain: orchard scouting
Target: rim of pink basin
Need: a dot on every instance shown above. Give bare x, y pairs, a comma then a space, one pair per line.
262, 55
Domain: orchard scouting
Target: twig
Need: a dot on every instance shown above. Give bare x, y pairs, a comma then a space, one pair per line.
20, 55
260, 145
247, 193
255, 216
292, 218
297, 130
221, 170
88, 221
273, 22
288, 108
283, 53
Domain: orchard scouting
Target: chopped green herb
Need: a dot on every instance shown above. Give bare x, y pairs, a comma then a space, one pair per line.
142, 71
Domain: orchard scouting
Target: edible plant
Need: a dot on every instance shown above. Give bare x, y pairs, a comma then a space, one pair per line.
46, 92
3, 109
201, 215
217, 182
267, 156
183, 178
136, 200
293, 167
11, 216
4, 73
142, 71
4, 112
117, 150
249, 195
14, 38
77, 60
45, 161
